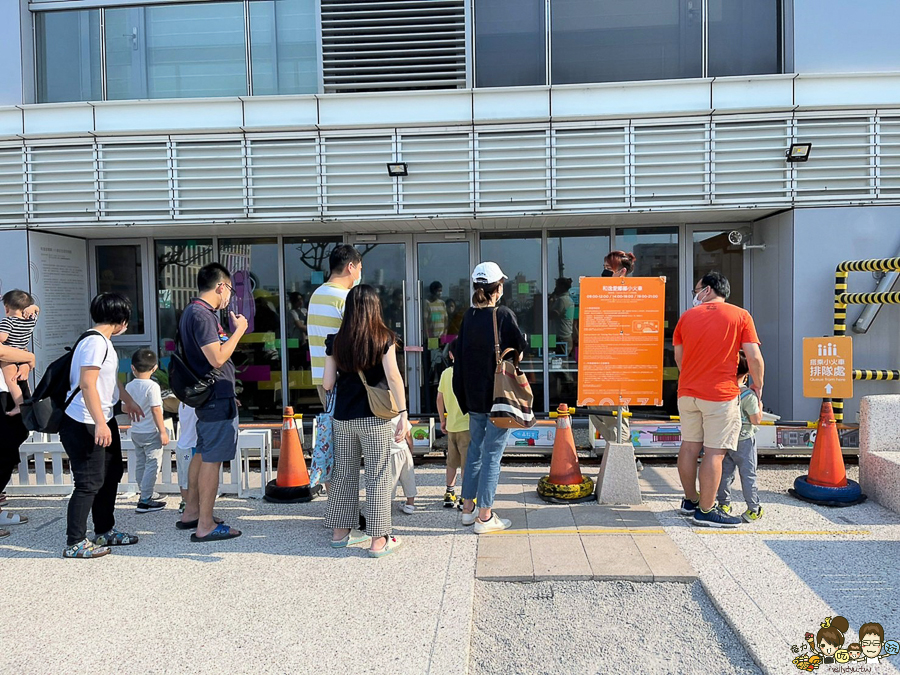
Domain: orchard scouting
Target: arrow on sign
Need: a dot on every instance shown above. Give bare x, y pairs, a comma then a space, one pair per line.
828, 389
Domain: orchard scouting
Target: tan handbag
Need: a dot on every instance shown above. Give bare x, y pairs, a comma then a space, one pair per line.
381, 400
513, 397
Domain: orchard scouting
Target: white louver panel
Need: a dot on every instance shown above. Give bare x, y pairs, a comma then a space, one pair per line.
841, 162
12, 183
378, 45
513, 171
209, 177
670, 164
134, 180
284, 177
889, 145
440, 173
590, 168
748, 162
355, 175
62, 180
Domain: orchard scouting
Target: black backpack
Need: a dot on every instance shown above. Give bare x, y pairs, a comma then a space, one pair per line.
43, 410
190, 388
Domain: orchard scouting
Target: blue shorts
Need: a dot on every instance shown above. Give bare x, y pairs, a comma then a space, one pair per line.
217, 430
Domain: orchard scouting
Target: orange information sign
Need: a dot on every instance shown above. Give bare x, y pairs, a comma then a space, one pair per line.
621, 341
828, 367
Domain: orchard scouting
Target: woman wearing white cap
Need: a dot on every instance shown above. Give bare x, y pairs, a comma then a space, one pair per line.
473, 384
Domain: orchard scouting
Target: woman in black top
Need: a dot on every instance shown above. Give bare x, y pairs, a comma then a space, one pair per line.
362, 345
473, 385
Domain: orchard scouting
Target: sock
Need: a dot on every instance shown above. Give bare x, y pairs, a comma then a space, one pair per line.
450, 488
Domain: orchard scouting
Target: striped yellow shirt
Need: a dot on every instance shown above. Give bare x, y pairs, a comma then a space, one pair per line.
325, 313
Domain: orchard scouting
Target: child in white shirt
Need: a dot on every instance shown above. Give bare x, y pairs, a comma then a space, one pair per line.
185, 448
149, 434
402, 468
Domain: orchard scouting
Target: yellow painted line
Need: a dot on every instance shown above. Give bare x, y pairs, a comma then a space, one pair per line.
605, 530
703, 530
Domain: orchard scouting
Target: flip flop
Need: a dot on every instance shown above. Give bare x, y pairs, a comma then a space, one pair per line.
192, 524
221, 533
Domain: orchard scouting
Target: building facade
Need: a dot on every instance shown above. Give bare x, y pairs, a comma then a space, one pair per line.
140, 141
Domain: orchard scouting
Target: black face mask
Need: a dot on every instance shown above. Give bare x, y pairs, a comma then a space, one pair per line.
606, 273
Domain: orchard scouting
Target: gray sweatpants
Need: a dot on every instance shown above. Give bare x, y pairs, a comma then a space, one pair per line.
744, 460
148, 452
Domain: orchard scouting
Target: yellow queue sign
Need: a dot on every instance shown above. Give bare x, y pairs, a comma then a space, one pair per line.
828, 367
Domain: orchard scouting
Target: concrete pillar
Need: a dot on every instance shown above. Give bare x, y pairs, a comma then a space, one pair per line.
879, 449
617, 482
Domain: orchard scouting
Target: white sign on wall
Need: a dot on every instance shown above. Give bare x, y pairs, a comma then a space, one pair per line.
58, 274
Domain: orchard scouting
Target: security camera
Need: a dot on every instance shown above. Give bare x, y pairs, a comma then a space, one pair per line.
738, 237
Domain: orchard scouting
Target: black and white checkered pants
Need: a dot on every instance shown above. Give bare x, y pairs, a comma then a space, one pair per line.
369, 437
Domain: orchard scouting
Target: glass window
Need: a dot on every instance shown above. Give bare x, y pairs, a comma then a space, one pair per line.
68, 56
622, 40
570, 255
253, 264
744, 37
176, 51
305, 269
509, 43
713, 251
519, 256
656, 254
119, 270
177, 265
283, 49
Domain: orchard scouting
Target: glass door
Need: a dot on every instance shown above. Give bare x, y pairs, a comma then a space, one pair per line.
387, 266
713, 251
443, 289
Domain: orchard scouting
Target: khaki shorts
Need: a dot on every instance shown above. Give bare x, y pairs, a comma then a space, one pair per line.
716, 424
457, 449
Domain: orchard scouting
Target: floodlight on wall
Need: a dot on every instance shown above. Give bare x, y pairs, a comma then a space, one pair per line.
397, 169
798, 152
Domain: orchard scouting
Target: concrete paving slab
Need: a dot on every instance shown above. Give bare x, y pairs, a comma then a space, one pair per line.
666, 562
504, 558
559, 558
593, 516
550, 517
616, 556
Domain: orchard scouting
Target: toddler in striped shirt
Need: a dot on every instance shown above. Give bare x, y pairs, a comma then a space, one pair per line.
15, 331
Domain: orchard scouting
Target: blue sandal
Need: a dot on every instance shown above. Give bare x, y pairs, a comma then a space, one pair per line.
221, 533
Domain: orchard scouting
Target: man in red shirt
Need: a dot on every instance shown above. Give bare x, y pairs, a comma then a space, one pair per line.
707, 340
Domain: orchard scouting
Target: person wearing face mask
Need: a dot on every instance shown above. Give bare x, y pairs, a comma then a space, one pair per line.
208, 349
708, 340
473, 385
89, 432
326, 306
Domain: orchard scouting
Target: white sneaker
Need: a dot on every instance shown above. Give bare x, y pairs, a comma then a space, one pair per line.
469, 518
495, 524
408, 509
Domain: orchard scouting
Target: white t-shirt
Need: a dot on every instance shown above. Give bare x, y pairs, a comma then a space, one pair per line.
187, 427
98, 352
147, 395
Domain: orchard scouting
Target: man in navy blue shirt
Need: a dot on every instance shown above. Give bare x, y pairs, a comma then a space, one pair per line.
208, 348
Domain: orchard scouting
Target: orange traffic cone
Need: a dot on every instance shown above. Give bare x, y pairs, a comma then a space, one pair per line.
291, 484
827, 483
826, 468
565, 484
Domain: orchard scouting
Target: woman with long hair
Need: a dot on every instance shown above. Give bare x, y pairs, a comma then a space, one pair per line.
473, 384
363, 345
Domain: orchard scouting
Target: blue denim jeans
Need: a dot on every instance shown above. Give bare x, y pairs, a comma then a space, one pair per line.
483, 460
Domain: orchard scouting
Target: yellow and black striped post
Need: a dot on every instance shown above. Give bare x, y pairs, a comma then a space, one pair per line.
842, 299
876, 374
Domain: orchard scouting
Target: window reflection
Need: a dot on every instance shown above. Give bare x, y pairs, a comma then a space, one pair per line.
67, 47
120, 270
283, 47
253, 264
656, 254
520, 259
570, 255
509, 43
713, 251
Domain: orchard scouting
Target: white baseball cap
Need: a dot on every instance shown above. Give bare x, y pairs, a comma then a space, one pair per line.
487, 273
